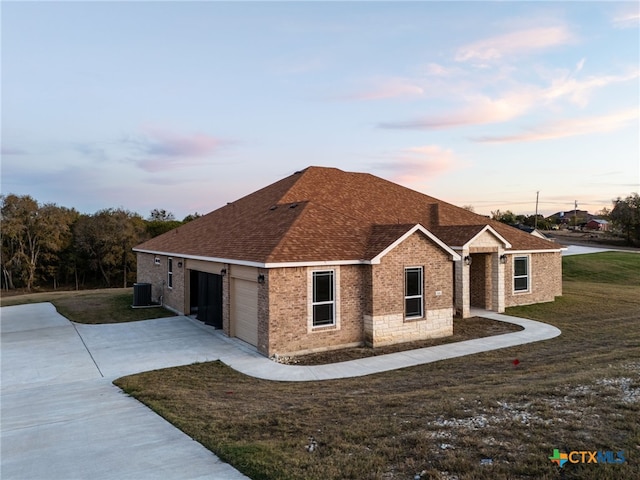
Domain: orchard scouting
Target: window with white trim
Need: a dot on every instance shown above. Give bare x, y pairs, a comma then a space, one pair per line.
521, 274
170, 273
413, 298
324, 304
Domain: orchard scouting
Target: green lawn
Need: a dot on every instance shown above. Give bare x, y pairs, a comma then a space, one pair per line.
579, 391
109, 305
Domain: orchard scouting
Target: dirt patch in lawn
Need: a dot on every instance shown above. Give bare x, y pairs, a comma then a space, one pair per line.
463, 329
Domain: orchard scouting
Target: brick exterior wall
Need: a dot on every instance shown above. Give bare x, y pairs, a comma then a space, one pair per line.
157, 276
370, 302
545, 277
370, 299
384, 321
288, 311
263, 312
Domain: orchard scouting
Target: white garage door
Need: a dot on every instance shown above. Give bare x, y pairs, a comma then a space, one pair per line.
244, 309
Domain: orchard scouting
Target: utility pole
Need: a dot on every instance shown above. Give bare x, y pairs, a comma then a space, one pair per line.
575, 214
535, 221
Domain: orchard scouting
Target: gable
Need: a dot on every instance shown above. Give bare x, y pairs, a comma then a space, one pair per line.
415, 230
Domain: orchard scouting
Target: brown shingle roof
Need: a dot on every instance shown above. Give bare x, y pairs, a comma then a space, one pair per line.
326, 214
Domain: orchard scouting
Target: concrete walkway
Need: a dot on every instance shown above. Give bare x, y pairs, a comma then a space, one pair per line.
62, 418
268, 370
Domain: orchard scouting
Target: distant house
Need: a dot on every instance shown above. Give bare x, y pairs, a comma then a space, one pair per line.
328, 259
598, 224
570, 217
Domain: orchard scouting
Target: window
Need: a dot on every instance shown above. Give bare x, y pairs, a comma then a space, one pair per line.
323, 298
413, 292
170, 273
521, 274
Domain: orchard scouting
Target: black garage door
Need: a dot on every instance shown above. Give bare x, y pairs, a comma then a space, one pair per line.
206, 294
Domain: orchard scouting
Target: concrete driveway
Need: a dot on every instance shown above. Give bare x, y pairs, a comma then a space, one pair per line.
62, 418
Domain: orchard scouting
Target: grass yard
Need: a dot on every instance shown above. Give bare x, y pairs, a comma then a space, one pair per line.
109, 305
477, 417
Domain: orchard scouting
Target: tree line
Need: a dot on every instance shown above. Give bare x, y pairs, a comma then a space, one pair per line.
48, 246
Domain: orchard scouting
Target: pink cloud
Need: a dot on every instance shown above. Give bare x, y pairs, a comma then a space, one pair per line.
417, 164
162, 142
481, 110
385, 89
514, 43
161, 149
578, 91
569, 128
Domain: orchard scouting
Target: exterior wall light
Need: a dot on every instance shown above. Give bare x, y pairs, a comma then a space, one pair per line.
261, 279
503, 259
179, 264
223, 272
467, 260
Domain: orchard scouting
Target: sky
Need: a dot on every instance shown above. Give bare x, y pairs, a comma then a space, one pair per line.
185, 106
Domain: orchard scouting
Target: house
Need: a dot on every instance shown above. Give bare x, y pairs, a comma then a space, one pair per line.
597, 224
570, 217
326, 259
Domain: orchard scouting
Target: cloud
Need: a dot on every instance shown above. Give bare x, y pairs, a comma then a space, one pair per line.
161, 142
437, 70
382, 90
482, 109
12, 151
514, 43
417, 164
569, 128
164, 150
577, 91
629, 18
91, 150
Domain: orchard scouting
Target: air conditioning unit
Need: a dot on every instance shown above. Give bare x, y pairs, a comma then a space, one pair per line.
141, 294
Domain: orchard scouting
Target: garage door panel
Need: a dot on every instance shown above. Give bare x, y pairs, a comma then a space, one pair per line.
245, 310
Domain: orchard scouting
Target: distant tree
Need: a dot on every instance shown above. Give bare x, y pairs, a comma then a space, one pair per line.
604, 213
161, 215
470, 208
160, 221
30, 234
540, 222
52, 265
107, 238
507, 217
191, 217
626, 216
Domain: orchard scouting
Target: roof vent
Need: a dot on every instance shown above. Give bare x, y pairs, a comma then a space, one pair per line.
293, 205
273, 207
298, 172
